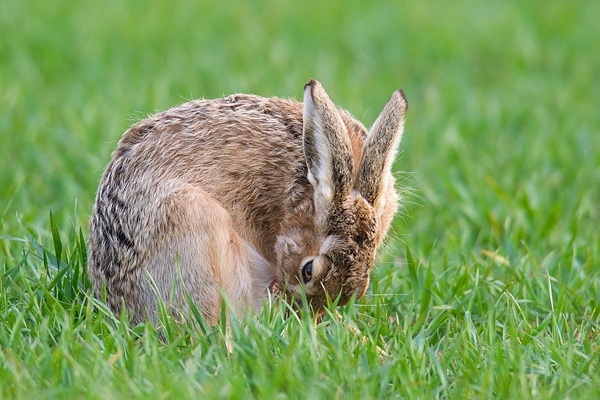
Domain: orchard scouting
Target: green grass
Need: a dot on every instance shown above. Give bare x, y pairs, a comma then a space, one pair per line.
490, 284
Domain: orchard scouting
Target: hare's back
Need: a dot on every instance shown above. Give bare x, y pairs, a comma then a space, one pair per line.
237, 134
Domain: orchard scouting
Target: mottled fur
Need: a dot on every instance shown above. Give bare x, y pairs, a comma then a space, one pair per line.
232, 196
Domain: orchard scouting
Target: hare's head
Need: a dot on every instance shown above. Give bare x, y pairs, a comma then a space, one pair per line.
354, 200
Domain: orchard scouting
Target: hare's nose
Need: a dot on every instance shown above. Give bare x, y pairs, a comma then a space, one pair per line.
362, 288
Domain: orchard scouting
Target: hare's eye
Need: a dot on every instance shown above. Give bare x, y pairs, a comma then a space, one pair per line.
307, 271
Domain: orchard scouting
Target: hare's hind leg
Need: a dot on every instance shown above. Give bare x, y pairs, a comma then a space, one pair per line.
198, 239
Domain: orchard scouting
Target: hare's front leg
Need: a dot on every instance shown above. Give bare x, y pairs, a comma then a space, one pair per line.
199, 239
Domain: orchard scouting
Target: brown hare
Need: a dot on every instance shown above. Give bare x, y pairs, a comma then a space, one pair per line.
244, 197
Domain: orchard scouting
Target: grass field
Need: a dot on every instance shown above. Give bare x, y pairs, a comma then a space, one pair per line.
489, 286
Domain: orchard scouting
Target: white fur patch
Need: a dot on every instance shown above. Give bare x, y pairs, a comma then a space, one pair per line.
329, 242
262, 273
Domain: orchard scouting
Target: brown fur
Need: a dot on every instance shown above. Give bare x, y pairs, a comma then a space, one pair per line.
232, 196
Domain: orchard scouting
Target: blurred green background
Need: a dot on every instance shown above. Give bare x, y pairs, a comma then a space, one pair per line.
502, 132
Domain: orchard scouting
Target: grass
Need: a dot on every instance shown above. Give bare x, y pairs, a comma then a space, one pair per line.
490, 284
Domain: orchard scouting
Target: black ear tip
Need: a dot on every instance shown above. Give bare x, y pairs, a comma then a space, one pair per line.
400, 92
311, 84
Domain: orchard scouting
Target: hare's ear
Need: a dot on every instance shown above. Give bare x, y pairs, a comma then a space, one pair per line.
380, 149
327, 150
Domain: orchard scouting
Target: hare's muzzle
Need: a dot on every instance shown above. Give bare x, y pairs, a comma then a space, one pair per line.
274, 286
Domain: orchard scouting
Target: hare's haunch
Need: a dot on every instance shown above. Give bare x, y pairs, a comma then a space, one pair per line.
244, 196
